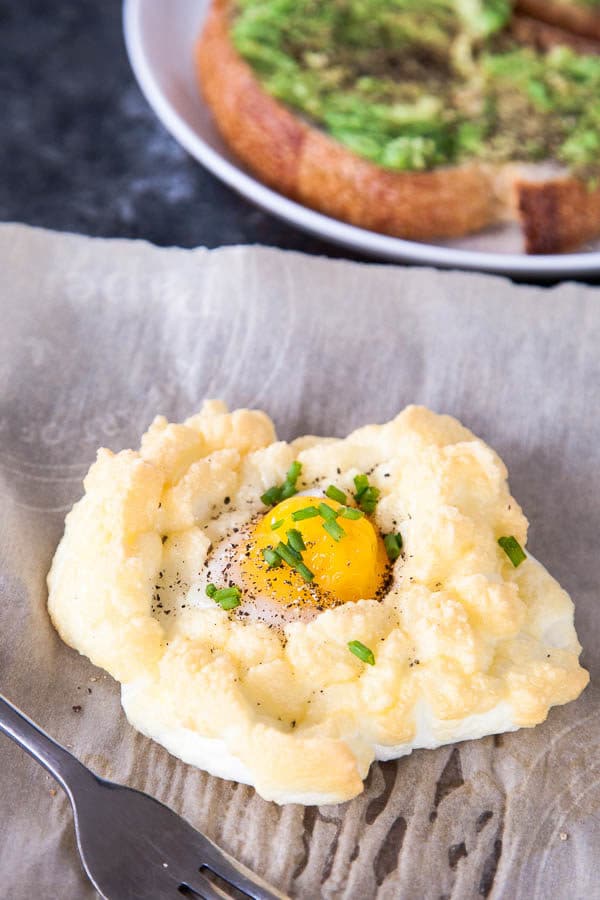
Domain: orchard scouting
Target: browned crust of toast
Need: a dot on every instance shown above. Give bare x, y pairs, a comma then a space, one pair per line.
557, 215
569, 16
307, 165
543, 36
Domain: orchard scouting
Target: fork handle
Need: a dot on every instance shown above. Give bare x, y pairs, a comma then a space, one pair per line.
61, 764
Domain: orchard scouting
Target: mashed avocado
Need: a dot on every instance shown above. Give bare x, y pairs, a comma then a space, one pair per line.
415, 84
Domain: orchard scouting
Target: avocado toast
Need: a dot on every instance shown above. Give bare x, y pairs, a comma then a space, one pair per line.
416, 119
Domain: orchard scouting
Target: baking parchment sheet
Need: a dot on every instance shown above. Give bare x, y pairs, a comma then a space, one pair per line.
99, 336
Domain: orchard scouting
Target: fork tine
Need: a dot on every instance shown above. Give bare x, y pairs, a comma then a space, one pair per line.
207, 889
230, 869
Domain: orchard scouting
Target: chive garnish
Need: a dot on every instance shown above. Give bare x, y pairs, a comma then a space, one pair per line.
307, 512
228, 603
289, 488
350, 513
228, 598
273, 559
294, 560
211, 590
335, 494
304, 572
227, 592
279, 492
276, 525
293, 472
327, 512
361, 483
366, 495
272, 496
362, 652
335, 530
295, 553
288, 554
513, 550
393, 546
368, 499
295, 540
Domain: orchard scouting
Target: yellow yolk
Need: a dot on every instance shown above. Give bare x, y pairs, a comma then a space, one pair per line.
351, 568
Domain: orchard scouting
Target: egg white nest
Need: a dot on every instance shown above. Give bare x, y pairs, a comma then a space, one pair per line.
465, 644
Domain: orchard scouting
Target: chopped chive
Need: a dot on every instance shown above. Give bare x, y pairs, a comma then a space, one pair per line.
304, 572
295, 540
294, 560
228, 598
272, 496
307, 512
293, 472
226, 592
368, 499
335, 530
273, 559
211, 590
393, 546
366, 495
335, 494
362, 652
295, 553
361, 483
288, 490
228, 603
276, 525
513, 550
327, 512
288, 555
279, 492
350, 513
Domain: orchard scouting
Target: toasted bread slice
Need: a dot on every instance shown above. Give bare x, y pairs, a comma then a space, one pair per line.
543, 36
566, 14
557, 215
307, 165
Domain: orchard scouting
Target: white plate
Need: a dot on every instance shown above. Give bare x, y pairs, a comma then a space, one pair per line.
160, 36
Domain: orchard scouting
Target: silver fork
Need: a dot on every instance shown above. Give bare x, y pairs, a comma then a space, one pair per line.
132, 846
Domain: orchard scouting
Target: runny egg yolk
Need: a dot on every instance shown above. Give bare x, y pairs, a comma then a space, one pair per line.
351, 568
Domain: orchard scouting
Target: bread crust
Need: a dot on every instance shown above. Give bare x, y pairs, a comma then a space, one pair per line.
307, 165
543, 36
573, 18
557, 215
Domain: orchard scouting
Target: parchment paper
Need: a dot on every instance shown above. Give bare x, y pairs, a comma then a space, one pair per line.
96, 337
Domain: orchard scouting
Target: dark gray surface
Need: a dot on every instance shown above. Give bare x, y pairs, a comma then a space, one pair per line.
81, 150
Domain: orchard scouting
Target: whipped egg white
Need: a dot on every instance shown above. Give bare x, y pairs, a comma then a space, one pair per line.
283, 614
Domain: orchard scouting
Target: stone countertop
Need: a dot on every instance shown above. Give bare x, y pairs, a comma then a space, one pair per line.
81, 150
